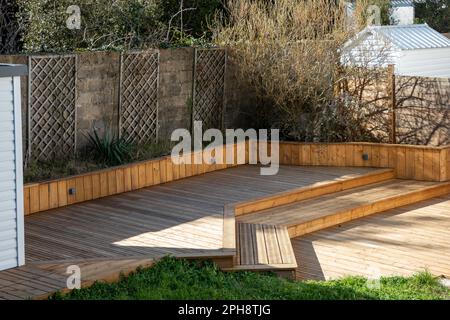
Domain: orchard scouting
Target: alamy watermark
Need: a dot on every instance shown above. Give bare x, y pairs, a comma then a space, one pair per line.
73, 22
259, 149
74, 279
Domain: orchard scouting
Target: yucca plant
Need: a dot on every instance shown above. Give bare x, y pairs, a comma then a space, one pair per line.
108, 149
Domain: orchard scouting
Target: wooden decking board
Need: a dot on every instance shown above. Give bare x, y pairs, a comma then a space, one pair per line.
185, 213
189, 218
273, 249
308, 210
312, 191
352, 257
401, 241
260, 244
264, 247
284, 243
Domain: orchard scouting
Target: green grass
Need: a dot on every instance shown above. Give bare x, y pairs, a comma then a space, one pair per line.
179, 279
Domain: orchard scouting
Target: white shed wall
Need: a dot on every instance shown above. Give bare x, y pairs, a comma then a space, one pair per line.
11, 185
424, 62
372, 51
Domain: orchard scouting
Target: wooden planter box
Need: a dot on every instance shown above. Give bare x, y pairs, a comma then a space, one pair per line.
409, 162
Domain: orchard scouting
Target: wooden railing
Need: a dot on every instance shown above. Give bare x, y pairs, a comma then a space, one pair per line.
409, 162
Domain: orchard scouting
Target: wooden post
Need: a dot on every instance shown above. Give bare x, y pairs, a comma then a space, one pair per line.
392, 103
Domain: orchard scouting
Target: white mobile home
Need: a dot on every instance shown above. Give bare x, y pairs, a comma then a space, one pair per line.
11, 184
415, 50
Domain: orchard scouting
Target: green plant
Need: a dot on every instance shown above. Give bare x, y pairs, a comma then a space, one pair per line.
177, 279
150, 150
434, 12
105, 25
108, 149
114, 25
37, 171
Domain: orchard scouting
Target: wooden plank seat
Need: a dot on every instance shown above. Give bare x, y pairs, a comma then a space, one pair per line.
263, 247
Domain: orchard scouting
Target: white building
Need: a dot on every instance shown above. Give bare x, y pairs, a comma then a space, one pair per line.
403, 12
11, 184
415, 50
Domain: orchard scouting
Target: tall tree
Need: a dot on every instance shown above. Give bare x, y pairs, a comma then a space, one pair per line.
436, 13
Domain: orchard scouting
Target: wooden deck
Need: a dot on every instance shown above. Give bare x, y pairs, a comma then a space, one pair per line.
243, 221
400, 241
182, 218
310, 215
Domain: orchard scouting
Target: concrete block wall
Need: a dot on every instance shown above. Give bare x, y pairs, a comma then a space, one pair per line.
176, 69
98, 76
98, 80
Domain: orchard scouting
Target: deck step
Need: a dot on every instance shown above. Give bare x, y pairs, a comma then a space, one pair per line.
312, 191
263, 247
311, 215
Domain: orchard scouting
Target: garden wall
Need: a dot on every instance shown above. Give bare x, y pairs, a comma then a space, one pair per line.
97, 85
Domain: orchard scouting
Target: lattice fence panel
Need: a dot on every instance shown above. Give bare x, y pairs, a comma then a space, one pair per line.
139, 80
51, 103
209, 87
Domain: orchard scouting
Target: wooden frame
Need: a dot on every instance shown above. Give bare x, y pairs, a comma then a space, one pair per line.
19, 172
408, 162
98, 184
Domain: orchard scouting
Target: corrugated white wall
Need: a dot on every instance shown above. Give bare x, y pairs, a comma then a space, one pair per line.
424, 62
10, 236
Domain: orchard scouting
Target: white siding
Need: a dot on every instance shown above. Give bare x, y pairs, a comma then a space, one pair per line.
424, 62
403, 15
9, 228
371, 51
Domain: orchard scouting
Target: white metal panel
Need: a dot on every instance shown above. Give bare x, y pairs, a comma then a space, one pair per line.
8, 234
370, 51
410, 37
11, 185
9, 263
19, 172
416, 50
7, 185
7, 243
424, 63
8, 215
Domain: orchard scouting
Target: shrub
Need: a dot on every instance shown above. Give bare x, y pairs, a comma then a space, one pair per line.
434, 12
105, 24
113, 25
109, 149
289, 53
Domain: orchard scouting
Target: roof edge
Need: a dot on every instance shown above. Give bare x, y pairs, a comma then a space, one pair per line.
13, 70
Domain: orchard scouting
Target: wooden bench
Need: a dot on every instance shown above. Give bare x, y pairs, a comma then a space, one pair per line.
264, 248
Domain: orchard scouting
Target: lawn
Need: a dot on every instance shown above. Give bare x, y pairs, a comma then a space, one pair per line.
179, 279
